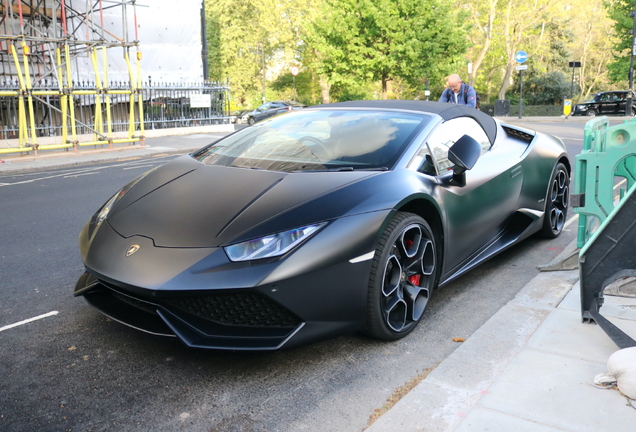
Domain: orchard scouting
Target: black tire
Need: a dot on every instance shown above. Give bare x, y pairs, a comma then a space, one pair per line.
403, 276
556, 203
591, 112
251, 121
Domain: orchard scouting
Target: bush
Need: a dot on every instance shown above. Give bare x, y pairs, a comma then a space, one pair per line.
528, 110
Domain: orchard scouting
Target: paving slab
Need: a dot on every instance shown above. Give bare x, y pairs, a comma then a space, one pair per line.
485, 420
448, 394
529, 368
557, 391
563, 333
613, 306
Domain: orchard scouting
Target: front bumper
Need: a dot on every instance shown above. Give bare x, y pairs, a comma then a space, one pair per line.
221, 320
205, 300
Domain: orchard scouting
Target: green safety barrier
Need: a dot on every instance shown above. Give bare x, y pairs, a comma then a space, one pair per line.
608, 153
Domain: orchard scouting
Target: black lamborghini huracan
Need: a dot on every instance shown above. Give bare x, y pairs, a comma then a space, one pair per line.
333, 219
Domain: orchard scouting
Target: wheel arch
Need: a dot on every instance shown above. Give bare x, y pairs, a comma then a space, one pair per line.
565, 161
430, 212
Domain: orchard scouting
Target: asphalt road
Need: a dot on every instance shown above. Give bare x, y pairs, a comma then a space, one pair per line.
77, 370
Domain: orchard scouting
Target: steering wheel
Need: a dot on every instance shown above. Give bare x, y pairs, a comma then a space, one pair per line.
323, 152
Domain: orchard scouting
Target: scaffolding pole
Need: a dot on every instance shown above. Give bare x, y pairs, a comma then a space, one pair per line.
51, 37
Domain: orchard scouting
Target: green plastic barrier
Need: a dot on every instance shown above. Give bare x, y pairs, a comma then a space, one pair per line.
608, 153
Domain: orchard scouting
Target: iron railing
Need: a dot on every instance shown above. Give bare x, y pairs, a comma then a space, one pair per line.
166, 105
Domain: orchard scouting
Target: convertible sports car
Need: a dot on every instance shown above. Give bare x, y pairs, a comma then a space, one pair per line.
333, 219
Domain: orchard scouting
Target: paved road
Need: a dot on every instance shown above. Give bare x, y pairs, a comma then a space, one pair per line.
77, 370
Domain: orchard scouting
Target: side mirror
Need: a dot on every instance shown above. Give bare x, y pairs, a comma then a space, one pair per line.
463, 155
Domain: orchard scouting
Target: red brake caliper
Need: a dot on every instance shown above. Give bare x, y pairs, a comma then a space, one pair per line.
415, 279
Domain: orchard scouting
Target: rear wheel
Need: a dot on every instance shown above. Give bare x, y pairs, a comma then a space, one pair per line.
556, 206
402, 277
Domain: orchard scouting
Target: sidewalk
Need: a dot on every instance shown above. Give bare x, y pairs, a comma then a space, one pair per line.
530, 368
173, 144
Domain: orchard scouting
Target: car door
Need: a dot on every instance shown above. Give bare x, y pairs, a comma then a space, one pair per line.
277, 108
609, 103
261, 112
477, 212
621, 97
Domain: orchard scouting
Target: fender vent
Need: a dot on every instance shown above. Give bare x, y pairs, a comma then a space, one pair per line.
518, 134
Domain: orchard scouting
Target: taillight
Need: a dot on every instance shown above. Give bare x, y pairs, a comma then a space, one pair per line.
289, 108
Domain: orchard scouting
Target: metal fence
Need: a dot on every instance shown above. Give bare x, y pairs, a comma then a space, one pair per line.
166, 105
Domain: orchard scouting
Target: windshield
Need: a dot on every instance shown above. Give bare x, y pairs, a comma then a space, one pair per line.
319, 140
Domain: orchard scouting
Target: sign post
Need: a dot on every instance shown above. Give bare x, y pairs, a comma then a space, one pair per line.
567, 103
521, 57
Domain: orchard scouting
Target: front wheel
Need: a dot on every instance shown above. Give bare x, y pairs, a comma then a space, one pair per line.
402, 278
251, 121
556, 206
591, 113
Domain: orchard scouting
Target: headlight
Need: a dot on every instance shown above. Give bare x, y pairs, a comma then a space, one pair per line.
581, 107
103, 213
271, 246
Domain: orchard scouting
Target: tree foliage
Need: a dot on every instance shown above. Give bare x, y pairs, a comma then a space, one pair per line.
349, 49
619, 11
547, 89
382, 40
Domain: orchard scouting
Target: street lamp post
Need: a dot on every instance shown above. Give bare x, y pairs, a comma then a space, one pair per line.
629, 102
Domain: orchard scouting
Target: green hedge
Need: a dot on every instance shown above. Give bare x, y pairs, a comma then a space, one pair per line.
529, 110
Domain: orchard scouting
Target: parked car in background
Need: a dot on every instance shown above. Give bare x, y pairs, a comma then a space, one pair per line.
240, 117
611, 102
270, 109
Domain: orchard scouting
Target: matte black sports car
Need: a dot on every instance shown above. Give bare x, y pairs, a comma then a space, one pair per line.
328, 220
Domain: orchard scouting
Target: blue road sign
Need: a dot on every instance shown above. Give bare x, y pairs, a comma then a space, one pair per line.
521, 56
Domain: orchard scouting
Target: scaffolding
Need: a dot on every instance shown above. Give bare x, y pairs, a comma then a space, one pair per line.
40, 41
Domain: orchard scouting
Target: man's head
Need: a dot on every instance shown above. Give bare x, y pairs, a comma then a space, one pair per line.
455, 83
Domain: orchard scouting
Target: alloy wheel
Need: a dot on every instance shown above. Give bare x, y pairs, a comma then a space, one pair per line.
409, 276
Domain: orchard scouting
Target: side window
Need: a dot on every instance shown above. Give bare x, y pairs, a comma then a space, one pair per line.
446, 134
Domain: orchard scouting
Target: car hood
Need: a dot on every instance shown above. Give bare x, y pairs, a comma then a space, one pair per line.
188, 204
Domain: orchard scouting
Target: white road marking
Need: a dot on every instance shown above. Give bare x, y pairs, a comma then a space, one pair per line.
26, 321
74, 172
572, 219
78, 175
138, 166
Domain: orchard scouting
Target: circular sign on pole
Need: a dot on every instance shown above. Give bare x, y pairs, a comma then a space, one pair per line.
521, 56
294, 70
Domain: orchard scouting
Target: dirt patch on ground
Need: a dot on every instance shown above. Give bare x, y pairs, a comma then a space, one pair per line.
398, 394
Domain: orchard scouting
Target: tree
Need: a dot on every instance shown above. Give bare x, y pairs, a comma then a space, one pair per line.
364, 40
592, 45
482, 16
521, 21
252, 42
546, 89
619, 11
